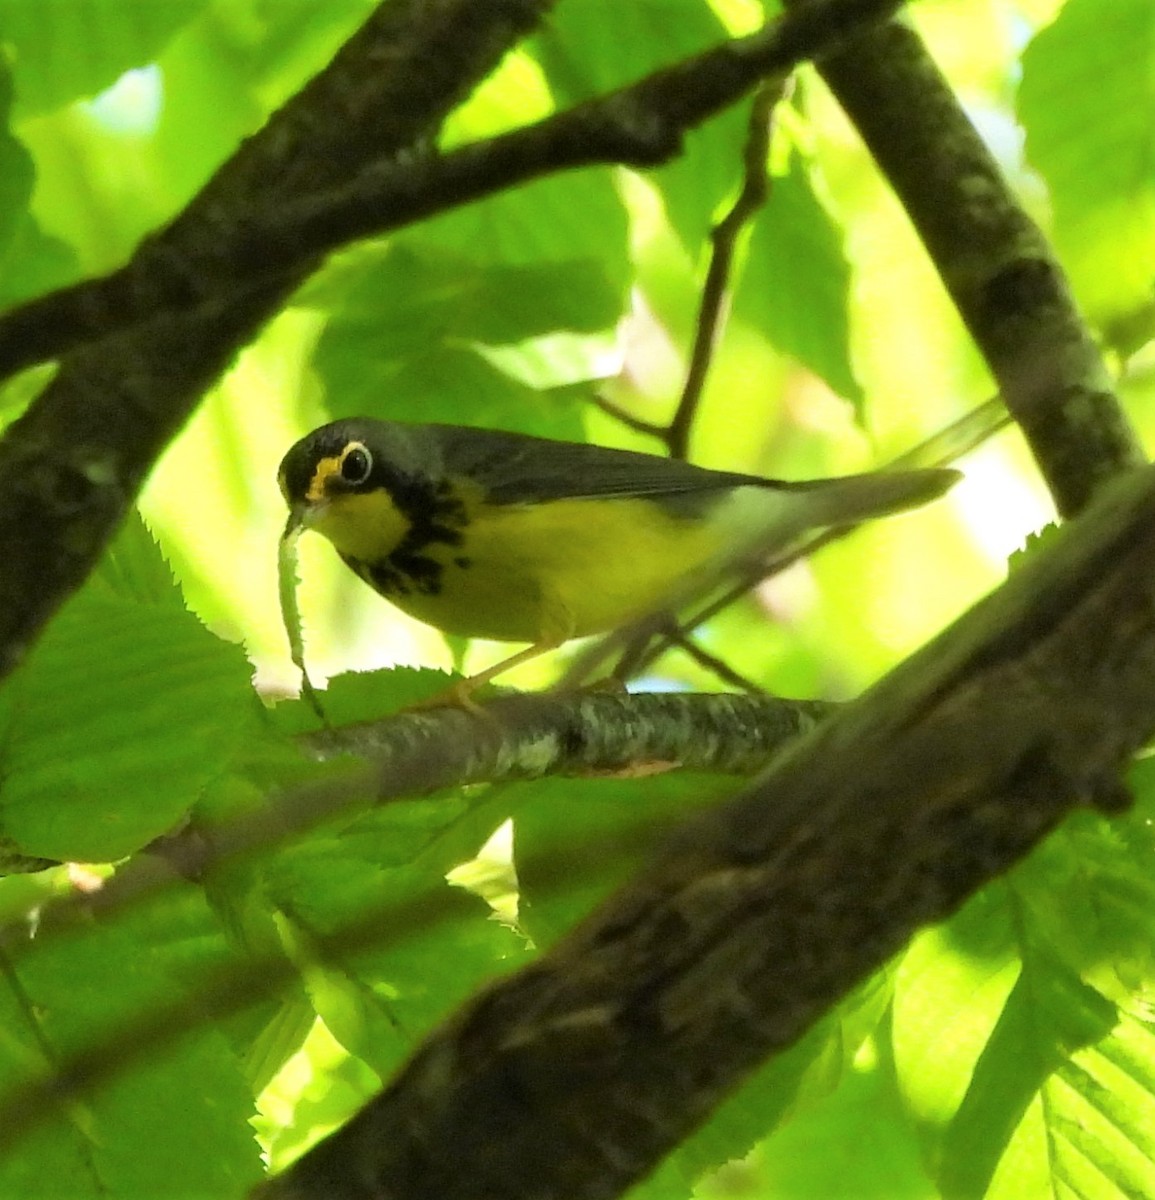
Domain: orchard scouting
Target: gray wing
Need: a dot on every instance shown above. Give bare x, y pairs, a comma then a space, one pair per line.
514, 468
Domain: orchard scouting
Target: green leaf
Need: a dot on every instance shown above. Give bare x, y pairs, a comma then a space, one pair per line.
65, 49
31, 262
852, 1142
174, 1125
1047, 1016
795, 1083
134, 567
1088, 1132
1018, 1039
796, 284
1105, 872
704, 179
106, 723
576, 839
558, 220
17, 173
423, 333
281, 43
361, 696
34, 263
1086, 98
798, 1075
584, 54
378, 1001
950, 990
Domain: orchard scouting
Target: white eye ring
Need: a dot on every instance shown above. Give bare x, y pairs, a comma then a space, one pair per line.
356, 464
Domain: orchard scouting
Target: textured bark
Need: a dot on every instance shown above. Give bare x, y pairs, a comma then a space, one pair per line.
999, 269
139, 361
573, 1078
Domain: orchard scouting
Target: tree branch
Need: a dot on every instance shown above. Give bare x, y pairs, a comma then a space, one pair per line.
399, 757
575, 1076
723, 242
71, 465
386, 91
518, 737
997, 266
229, 241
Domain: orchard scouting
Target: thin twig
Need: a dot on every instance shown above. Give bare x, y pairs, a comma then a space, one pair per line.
73, 463
646, 642
723, 242
999, 269
707, 332
712, 662
213, 253
637, 424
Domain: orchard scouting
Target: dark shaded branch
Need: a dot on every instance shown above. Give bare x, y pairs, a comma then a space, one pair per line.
519, 737
222, 249
386, 90
71, 465
1000, 272
575, 1076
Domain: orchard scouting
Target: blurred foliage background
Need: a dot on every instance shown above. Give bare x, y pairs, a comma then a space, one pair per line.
841, 349
1008, 1054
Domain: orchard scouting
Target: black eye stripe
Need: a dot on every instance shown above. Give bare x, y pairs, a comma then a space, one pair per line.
356, 464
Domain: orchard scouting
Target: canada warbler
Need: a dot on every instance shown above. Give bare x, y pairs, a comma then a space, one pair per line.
525, 539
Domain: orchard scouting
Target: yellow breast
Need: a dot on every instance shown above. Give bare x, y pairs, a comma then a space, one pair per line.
365, 526
541, 572
536, 572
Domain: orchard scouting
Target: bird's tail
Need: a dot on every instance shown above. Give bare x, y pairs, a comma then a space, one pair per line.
848, 499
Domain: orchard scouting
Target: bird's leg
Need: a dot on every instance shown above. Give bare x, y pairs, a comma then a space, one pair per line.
460, 693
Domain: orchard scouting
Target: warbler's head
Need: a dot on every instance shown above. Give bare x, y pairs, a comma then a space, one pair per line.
348, 480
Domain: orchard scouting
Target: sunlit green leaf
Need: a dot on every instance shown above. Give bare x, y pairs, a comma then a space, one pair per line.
107, 721
585, 55
796, 283
414, 330
1086, 99
65, 49
1042, 1080
1047, 1017
30, 261
175, 1126
853, 1142
378, 1000
950, 990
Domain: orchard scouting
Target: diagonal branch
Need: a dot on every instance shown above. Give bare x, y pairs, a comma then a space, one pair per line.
71, 465
997, 266
575, 1076
219, 247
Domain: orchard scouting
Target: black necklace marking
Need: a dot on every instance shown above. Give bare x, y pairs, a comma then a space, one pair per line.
436, 516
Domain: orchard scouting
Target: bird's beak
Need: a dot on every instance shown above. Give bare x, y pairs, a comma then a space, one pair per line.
295, 523
303, 515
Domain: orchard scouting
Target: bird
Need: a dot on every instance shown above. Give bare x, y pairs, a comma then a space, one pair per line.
506, 536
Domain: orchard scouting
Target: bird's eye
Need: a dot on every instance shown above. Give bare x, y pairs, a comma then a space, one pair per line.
356, 465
